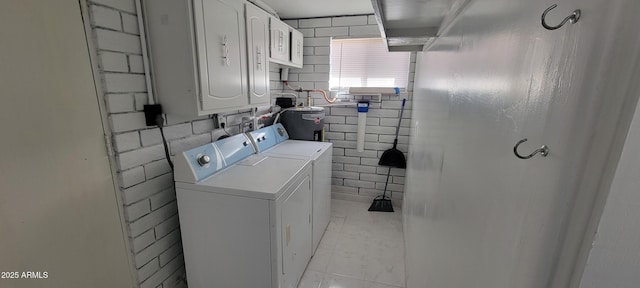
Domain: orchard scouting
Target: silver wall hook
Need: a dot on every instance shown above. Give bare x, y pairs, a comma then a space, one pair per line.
573, 18
544, 150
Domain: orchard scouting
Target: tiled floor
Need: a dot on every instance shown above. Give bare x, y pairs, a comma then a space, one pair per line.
360, 249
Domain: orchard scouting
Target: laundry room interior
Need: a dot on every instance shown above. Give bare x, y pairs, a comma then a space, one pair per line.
320, 144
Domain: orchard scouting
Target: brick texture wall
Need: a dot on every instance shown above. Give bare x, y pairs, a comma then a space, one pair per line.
356, 176
145, 178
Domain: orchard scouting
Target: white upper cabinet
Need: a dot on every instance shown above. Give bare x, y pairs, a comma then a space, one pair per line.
220, 30
286, 44
212, 56
280, 49
296, 48
198, 54
258, 50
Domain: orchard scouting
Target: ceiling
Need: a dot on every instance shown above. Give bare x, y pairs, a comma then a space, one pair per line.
292, 9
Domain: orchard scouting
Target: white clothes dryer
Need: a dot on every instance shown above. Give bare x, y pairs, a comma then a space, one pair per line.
273, 141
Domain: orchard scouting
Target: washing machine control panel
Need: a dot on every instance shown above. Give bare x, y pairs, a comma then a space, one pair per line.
204, 161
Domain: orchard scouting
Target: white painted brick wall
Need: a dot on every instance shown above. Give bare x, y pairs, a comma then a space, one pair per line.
118, 103
120, 82
132, 177
356, 175
117, 41
127, 141
156, 168
293, 23
148, 269
349, 20
176, 280
141, 156
105, 17
127, 122
135, 64
152, 219
333, 31
123, 5
114, 62
169, 254
372, 20
180, 145
313, 23
160, 199
364, 31
141, 100
157, 248
167, 227
130, 23
138, 209
148, 188
143, 241
145, 178
164, 274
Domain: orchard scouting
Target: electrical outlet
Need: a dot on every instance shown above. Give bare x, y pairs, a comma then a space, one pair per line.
222, 120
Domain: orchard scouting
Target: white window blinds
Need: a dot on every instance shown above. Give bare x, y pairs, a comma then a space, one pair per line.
366, 63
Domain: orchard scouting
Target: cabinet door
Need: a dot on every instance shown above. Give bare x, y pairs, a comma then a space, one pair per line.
257, 46
296, 48
296, 233
220, 29
279, 40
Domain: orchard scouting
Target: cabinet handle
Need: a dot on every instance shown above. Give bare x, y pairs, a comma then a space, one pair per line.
225, 51
259, 58
281, 41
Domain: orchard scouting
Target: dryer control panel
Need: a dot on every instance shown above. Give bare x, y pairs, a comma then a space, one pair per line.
268, 137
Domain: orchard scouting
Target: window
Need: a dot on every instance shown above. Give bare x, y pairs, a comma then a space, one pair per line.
366, 63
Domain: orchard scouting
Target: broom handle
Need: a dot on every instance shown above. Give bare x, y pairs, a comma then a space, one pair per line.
395, 142
384, 193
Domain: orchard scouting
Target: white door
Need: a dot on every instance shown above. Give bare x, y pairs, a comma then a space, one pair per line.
221, 36
257, 46
296, 48
475, 214
296, 233
58, 208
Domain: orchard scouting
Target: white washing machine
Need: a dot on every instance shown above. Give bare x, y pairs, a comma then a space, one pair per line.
245, 218
273, 141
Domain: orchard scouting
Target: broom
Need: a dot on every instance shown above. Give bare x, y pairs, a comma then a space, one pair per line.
392, 158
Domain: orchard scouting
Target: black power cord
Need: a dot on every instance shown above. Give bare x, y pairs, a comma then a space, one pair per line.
224, 128
160, 123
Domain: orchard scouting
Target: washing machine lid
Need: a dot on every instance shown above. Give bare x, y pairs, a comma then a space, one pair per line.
257, 176
311, 149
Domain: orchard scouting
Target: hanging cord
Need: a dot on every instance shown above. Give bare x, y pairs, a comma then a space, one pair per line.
224, 128
280, 113
160, 123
